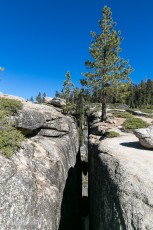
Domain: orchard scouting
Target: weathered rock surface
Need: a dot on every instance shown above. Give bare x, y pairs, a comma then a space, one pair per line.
98, 128
139, 113
12, 97
117, 110
59, 102
48, 100
40, 185
34, 117
120, 184
56, 101
145, 136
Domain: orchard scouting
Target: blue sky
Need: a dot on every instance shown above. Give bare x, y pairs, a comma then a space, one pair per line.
41, 39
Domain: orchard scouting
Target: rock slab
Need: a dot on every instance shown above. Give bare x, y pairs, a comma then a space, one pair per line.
120, 184
40, 184
145, 136
56, 101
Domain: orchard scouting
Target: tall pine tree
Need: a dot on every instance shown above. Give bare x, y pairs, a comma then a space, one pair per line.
31, 99
38, 98
43, 98
108, 71
67, 87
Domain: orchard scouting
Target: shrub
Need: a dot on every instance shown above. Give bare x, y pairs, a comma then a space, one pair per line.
150, 115
118, 106
10, 138
147, 110
134, 123
10, 105
123, 114
112, 134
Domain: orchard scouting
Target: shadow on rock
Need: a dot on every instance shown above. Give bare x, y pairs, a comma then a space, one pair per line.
135, 145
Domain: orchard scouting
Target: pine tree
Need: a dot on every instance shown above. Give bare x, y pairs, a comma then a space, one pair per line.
31, 99
58, 94
38, 98
108, 71
43, 98
67, 87
75, 95
80, 108
149, 92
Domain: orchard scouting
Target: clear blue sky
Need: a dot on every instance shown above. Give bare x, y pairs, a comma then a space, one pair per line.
41, 39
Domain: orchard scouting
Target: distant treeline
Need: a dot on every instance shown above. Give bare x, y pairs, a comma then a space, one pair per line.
40, 98
137, 96
141, 95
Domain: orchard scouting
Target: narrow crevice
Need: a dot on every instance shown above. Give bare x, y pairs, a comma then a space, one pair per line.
85, 206
75, 203
84, 166
71, 203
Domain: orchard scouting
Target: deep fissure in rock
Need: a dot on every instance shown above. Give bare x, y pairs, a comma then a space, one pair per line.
71, 203
85, 206
75, 203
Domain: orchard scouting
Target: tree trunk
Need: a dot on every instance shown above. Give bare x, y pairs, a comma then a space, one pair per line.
103, 102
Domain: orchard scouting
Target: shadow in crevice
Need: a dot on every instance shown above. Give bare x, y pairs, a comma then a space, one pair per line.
29, 133
85, 198
85, 213
85, 206
71, 203
84, 167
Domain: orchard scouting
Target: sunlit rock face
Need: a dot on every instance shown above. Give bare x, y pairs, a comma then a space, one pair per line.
35, 182
120, 184
145, 136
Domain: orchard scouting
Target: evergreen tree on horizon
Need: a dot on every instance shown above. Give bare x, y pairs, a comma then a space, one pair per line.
43, 97
108, 71
67, 87
31, 99
38, 98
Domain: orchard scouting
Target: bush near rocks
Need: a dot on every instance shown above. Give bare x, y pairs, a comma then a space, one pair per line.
122, 115
10, 138
147, 110
10, 105
112, 134
134, 123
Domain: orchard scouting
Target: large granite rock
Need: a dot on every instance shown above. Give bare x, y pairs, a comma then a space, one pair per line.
7, 96
139, 113
98, 128
145, 136
48, 100
56, 101
120, 184
40, 185
59, 102
34, 117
